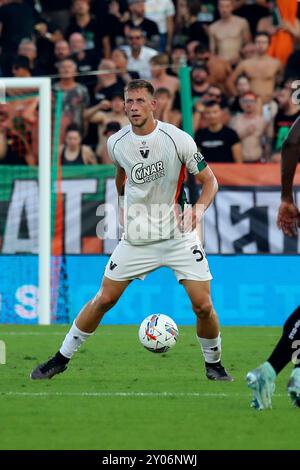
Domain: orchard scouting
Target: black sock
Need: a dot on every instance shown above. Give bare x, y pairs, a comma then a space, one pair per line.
284, 352
61, 359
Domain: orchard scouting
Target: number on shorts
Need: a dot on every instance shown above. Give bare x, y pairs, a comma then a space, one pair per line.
197, 252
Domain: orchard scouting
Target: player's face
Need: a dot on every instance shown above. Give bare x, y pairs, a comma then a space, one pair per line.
139, 106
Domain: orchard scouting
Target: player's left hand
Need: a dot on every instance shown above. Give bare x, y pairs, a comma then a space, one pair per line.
288, 219
190, 218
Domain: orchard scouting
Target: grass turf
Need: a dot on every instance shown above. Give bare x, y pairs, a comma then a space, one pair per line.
111, 396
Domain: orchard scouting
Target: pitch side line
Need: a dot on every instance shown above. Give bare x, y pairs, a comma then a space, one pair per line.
128, 394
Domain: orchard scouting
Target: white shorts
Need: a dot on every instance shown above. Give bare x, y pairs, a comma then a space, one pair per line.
185, 256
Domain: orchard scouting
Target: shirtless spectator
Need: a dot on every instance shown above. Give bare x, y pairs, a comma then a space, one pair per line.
160, 78
242, 86
248, 51
116, 114
219, 69
251, 128
263, 71
229, 34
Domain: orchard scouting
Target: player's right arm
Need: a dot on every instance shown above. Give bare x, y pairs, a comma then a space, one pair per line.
288, 215
120, 180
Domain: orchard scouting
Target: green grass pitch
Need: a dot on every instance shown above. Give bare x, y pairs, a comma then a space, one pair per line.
117, 395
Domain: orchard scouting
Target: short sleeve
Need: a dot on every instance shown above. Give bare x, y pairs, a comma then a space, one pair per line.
169, 8
233, 137
110, 149
190, 155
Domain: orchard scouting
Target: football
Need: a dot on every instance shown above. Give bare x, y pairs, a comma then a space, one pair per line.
158, 333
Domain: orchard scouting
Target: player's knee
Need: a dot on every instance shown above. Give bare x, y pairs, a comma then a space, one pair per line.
203, 309
103, 301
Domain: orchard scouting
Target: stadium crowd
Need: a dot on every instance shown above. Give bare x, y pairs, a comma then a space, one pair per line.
244, 58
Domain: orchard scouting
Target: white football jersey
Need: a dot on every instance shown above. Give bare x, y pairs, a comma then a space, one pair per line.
155, 168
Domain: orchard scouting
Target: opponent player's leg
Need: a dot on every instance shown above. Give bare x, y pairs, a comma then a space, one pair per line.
262, 379
207, 328
83, 327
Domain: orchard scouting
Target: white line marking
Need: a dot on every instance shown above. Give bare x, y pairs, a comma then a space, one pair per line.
128, 394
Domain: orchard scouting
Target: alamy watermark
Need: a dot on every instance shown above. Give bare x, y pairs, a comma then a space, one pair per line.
296, 354
149, 223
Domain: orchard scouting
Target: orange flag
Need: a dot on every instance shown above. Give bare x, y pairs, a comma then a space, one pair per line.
282, 42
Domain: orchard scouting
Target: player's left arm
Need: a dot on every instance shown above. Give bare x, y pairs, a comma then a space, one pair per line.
208, 181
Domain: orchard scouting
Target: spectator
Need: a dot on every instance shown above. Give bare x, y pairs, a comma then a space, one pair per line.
117, 114
228, 34
219, 69
138, 54
242, 86
95, 34
137, 18
287, 114
117, 16
163, 111
75, 96
263, 71
217, 142
160, 78
57, 11
21, 67
108, 84
27, 48
17, 20
86, 60
73, 152
111, 128
61, 51
251, 128
190, 50
252, 11
162, 12
120, 59
283, 26
178, 57
248, 51
194, 29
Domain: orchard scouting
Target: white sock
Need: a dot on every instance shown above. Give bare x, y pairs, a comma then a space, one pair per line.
211, 348
73, 340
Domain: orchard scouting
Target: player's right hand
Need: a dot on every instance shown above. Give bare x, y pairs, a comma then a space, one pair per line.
288, 218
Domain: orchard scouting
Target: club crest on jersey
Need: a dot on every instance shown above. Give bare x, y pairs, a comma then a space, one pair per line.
144, 174
144, 152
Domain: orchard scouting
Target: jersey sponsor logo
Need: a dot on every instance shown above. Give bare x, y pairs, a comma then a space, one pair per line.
144, 174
